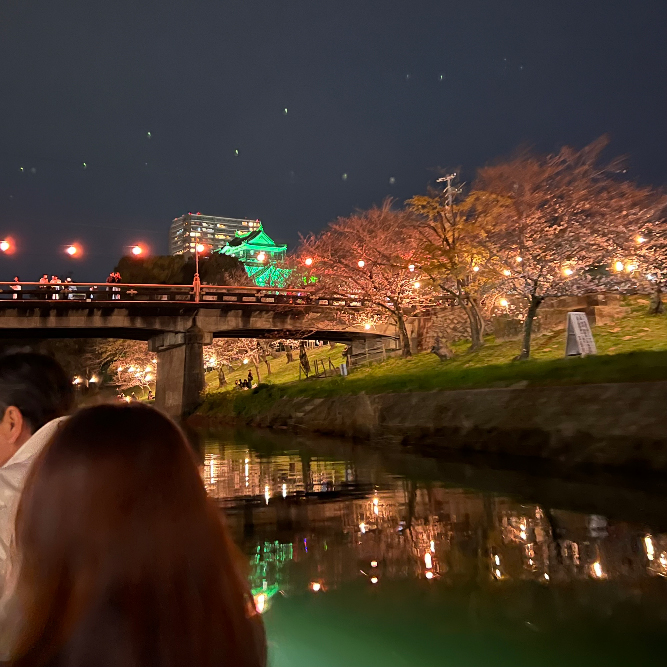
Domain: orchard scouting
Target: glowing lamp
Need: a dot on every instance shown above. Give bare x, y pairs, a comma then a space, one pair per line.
428, 560
71, 250
316, 586
568, 272
308, 261
93, 379
76, 380
650, 549
411, 267
260, 603
367, 326
640, 239
475, 269
507, 272
504, 303
597, 569
137, 250
429, 575
4, 246
361, 263
618, 266
261, 256
417, 285
546, 576
245, 361
200, 247
374, 563
374, 580
519, 259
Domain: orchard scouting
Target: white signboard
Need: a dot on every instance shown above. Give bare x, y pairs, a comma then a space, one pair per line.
579, 336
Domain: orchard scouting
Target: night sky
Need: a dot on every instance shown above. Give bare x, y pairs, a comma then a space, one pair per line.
379, 95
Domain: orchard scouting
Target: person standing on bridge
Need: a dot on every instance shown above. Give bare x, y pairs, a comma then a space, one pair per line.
44, 284
16, 286
123, 560
117, 280
55, 287
35, 393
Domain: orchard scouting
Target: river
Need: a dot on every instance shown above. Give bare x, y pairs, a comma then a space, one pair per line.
376, 556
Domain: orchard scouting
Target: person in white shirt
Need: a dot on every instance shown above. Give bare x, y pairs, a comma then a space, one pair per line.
35, 394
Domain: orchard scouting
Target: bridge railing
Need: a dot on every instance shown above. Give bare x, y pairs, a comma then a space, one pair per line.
121, 293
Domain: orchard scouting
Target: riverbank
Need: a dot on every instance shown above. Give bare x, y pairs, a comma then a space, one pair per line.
606, 410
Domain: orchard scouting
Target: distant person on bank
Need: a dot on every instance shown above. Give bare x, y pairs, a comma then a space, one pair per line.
122, 559
35, 393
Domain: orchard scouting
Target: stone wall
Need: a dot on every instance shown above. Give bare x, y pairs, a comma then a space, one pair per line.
621, 425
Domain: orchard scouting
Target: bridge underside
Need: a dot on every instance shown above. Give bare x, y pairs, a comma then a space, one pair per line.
149, 334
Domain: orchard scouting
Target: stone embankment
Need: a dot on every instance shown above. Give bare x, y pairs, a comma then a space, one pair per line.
620, 425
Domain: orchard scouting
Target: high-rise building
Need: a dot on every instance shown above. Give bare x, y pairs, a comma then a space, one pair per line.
211, 230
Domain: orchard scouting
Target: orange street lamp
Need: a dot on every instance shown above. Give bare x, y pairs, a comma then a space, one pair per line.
137, 250
5, 245
308, 261
261, 256
73, 250
361, 263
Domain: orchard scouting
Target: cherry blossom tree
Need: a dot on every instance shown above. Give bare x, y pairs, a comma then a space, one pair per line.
370, 255
558, 218
455, 253
129, 362
639, 242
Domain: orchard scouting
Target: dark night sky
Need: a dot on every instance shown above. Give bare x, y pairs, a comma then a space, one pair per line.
375, 90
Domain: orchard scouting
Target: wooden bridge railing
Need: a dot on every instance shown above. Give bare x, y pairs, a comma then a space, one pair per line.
120, 294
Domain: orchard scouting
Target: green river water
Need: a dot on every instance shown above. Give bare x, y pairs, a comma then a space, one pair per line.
370, 556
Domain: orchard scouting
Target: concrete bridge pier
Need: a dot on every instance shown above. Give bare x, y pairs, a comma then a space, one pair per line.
180, 370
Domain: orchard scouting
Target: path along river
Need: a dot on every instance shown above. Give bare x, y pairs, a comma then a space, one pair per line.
369, 556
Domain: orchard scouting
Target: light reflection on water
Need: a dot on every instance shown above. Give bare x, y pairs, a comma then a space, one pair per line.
336, 539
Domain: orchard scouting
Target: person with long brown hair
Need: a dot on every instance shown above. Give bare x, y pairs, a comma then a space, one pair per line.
122, 560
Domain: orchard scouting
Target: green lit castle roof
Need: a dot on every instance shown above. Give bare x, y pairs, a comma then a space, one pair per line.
246, 246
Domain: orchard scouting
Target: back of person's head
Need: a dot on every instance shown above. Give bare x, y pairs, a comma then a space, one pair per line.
35, 384
122, 558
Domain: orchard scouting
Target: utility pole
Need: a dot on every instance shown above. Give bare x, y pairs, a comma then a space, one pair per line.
448, 189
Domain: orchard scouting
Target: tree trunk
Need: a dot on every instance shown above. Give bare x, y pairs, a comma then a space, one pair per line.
476, 339
657, 307
403, 335
481, 325
259, 379
303, 358
222, 380
535, 302
268, 364
290, 355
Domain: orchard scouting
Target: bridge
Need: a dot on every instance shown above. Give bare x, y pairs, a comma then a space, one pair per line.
177, 321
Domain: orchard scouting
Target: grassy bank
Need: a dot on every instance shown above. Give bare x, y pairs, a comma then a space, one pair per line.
632, 349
